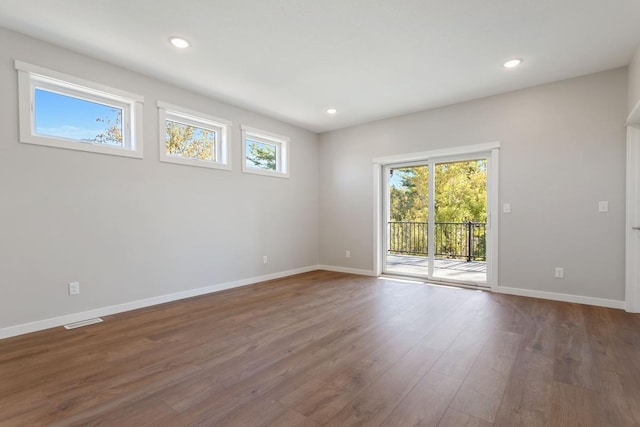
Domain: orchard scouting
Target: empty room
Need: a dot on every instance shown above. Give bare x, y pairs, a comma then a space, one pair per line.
320, 213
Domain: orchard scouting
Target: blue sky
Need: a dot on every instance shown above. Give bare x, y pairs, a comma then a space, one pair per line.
67, 117
396, 179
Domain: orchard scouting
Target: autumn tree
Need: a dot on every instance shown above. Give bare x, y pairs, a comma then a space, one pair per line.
460, 196
460, 193
190, 142
112, 134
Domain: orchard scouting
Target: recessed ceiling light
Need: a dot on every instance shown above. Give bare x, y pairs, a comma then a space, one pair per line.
512, 63
179, 42
331, 111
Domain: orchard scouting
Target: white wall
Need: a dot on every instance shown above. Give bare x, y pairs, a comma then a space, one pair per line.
634, 80
562, 151
129, 229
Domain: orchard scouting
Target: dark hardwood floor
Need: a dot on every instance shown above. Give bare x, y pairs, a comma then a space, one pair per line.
332, 349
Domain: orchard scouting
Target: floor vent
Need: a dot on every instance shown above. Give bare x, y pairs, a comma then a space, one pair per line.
83, 323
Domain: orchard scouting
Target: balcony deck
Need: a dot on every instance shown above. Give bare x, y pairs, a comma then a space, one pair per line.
445, 269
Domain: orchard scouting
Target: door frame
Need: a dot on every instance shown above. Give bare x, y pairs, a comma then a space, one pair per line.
632, 237
490, 151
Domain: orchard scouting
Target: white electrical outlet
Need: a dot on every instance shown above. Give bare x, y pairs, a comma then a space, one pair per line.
559, 273
347, 254
74, 288
506, 208
265, 259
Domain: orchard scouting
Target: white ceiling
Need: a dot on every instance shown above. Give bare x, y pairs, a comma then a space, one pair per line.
370, 59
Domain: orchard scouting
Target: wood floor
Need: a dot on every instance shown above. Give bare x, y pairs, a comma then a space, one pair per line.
332, 349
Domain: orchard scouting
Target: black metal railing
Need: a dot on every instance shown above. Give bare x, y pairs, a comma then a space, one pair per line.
463, 240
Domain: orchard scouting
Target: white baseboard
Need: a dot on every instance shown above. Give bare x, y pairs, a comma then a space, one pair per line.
39, 325
578, 299
53, 322
346, 270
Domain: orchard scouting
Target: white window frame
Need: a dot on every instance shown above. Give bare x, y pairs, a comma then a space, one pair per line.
221, 127
31, 77
282, 151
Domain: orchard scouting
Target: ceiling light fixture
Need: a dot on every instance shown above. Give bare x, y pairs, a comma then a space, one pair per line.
331, 111
512, 63
179, 42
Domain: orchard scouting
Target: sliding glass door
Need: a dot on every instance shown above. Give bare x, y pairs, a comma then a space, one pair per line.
436, 216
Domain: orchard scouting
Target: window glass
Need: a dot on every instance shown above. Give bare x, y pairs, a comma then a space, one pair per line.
190, 142
193, 138
62, 111
264, 153
67, 117
261, 155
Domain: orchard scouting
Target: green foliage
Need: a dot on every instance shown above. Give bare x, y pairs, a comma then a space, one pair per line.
460, 197
401, 204
190, 142
460, 193
261, 156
